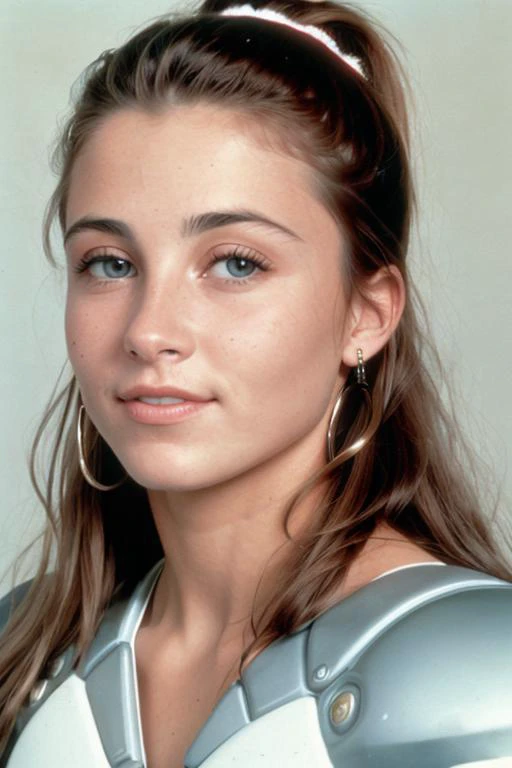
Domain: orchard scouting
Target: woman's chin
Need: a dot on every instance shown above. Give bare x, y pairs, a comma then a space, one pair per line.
176, 479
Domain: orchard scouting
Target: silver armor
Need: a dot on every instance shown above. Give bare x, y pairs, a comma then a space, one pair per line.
412, 671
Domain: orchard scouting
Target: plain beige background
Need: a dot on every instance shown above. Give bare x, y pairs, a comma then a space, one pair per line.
459, 57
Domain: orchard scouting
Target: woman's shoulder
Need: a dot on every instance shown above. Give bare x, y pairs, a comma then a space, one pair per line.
417, 660
420, 604
83, 714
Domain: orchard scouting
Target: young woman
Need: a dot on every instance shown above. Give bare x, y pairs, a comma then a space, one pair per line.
253, 473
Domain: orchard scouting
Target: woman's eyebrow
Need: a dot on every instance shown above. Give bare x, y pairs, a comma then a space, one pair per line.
205, 221
110, 226
194, 225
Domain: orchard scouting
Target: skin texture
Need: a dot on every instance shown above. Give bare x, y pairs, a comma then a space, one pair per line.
270, 350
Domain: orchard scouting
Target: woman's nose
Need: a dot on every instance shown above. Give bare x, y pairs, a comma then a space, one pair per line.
158, 324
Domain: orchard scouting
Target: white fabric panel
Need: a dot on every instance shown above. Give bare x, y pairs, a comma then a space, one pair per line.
498, 762
287, 737
62, 733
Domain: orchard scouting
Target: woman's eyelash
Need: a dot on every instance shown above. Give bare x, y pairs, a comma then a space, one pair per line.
82, 265
87, 261
238, 253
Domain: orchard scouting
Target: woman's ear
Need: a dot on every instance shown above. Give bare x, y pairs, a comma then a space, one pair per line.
375, 311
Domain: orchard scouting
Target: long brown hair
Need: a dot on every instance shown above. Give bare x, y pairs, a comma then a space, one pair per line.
352, 130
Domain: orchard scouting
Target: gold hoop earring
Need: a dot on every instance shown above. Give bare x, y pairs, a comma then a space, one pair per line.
362, 384
81, 456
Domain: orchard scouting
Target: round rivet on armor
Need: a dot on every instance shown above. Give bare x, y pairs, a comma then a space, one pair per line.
37, 692
320, 672
56, 666
342, 707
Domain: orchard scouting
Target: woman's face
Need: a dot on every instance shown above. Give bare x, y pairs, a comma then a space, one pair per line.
221, 277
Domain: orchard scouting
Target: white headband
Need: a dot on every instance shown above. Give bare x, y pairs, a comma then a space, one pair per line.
308, 29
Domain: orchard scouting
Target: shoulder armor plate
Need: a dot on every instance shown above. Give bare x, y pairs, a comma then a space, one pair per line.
411, 670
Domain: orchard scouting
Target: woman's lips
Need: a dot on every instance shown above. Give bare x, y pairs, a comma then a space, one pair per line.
163, 413
146, 391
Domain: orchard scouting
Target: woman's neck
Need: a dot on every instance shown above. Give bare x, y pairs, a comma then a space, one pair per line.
225, 548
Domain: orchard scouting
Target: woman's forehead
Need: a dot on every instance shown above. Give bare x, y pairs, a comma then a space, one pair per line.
190, 159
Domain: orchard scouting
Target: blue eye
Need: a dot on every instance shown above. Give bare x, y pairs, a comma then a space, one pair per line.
237, 267
107, 267
240, 267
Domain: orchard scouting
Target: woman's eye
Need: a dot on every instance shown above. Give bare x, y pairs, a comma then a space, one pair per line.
237, 268
107, 267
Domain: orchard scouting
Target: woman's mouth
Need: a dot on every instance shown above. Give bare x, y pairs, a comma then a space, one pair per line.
161, 410
161, 400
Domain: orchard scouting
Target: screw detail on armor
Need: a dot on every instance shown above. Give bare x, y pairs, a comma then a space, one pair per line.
320, 672
37, 692
342, 707
56, 666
